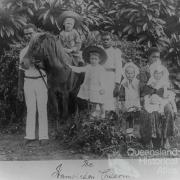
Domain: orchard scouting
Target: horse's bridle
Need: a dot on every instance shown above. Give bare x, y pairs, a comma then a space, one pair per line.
37, 67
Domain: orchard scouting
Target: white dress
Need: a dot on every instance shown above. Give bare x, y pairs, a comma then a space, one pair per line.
93, 83
113, 67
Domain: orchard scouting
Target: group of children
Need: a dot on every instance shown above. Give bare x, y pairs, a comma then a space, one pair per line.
101, 76
94, 87
160, 93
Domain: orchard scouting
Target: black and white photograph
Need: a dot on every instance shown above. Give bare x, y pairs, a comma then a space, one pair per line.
89, 89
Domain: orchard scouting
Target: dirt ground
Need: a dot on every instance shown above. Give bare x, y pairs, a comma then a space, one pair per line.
12, 148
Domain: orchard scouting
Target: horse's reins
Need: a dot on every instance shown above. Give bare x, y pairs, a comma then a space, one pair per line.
37, 67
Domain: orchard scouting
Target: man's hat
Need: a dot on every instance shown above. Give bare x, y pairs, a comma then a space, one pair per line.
69, 14
94, 49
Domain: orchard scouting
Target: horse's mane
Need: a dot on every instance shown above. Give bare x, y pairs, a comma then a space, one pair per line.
49, 46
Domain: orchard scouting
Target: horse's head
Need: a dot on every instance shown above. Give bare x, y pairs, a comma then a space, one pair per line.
46, 49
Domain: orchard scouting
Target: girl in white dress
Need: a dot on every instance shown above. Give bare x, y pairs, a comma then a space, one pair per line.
93, 87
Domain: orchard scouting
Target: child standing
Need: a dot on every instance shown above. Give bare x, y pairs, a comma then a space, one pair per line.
129, 91
69, 36
93, 87
130, 96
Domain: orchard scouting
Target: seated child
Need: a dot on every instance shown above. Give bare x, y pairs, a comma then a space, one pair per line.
161, 96
129, 92
69, 37
93, 87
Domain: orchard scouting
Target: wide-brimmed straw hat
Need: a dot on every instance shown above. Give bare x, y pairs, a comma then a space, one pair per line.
69, 14
94, 49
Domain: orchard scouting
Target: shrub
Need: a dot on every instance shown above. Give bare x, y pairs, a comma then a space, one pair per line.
96, 136
11, 109
133, 51
103, 137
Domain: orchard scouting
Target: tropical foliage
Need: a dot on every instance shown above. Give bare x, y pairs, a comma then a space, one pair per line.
136, 25
100, 136
145, 21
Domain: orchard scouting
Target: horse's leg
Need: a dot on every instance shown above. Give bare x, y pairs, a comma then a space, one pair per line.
75, 82
56, 109
65, 101
69, 102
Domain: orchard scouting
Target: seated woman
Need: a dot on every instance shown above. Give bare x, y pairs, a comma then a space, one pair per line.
158, 100
129, 94
162, 94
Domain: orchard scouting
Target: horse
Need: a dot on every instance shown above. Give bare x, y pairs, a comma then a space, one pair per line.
47, 51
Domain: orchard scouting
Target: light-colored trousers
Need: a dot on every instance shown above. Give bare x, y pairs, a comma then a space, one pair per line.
36, 97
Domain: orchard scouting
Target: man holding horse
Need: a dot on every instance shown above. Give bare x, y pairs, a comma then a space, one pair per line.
35, 91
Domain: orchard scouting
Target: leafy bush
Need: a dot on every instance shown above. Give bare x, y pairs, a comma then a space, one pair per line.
95, 136
133, 51
11, 109
100, 136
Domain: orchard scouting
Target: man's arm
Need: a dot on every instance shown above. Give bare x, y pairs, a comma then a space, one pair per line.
21, 75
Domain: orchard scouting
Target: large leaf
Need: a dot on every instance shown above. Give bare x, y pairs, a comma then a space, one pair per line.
145, 27
126, 28
11, 22
45, 15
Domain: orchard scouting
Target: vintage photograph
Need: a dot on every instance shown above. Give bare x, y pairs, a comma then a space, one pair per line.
89, 79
